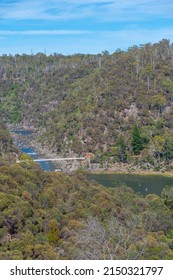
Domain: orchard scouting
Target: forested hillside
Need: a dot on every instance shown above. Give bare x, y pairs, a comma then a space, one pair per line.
50, 215
117, 106
8, 151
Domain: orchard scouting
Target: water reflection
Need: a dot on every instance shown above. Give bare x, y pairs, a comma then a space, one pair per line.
144, 184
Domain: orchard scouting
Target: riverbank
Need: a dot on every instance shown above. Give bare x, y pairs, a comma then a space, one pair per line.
31, 140
126, 168
140, 172
131, 168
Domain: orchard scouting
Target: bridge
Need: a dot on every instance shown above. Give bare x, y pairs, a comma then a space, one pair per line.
55, 159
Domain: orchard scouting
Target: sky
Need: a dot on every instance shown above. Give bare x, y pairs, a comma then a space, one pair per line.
76, 26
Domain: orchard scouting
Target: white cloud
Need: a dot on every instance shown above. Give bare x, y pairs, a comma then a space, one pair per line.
130, 22
105, 10
44, 32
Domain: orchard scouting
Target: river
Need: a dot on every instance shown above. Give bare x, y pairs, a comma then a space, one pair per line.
22, 140
143, 184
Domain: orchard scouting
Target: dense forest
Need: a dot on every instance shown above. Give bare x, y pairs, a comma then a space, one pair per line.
117, 106
52, 215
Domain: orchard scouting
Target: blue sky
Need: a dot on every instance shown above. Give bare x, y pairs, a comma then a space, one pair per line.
76, 26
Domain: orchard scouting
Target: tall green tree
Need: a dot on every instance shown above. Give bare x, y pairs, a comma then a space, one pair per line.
168, 148
137, 142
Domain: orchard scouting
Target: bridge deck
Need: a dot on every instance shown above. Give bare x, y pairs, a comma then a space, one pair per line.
55, 159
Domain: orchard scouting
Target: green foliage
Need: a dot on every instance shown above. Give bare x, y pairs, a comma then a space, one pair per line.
11, 105
168, 147
6, 143
157, 101
53, 234
82, 103
25, 157
56, 216
167, 195
122, 155
137, 142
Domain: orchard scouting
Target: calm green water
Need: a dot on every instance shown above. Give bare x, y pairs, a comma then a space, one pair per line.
143, 184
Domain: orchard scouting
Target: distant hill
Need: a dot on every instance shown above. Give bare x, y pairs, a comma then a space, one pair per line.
117, 106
